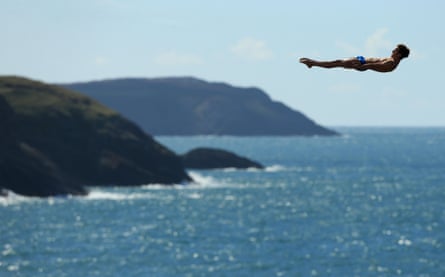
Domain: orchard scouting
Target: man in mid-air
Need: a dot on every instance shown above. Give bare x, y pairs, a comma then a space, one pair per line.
361, 63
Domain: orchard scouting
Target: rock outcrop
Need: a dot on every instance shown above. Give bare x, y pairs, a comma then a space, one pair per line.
55, 141
24, 169
210, 158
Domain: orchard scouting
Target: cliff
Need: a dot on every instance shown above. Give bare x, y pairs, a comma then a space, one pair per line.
189, 106
55, 141
24, 169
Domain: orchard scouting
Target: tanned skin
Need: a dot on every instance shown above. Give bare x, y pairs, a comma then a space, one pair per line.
377, 64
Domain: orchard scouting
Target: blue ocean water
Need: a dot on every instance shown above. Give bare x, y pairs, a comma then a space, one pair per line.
368, 203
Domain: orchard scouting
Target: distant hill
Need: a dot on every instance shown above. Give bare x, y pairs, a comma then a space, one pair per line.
189, 106
55, 141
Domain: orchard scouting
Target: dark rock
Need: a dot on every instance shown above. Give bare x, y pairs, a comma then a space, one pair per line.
209, 158
55, 141
24, 169
188, 106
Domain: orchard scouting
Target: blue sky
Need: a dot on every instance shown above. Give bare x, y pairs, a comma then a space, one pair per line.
244, 43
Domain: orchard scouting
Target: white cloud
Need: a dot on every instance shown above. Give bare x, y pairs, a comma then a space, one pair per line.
173, 58
99, 60
252, 49
376, 44
377, 41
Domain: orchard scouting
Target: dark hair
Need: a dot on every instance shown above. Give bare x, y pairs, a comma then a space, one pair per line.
403, 50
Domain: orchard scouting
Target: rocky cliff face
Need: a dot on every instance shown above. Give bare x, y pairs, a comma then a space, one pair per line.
61, 137
188, 106
24, 169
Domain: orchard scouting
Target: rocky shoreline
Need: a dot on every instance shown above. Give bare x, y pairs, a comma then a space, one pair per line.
57, 142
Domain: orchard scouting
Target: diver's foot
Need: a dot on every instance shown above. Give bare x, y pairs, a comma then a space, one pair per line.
306, 61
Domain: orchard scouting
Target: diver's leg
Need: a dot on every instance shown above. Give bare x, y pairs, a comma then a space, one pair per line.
348, 63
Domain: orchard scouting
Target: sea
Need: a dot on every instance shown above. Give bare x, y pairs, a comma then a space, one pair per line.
370, 202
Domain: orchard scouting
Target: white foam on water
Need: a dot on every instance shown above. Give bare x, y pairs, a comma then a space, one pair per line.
149, 191
272, 168
202, 181
281, 168
160, 186
14, 199
117, 196
275, 168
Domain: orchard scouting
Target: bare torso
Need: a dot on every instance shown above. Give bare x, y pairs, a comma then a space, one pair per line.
381, 64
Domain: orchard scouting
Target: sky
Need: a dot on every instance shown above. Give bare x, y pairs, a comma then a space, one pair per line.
248, 43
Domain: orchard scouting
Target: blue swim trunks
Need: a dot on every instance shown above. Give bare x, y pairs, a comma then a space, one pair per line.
361, 59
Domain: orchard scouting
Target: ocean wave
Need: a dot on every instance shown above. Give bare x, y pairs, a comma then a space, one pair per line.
107, 195
275, 168
200, 181
203, 181
271, 168
281, 168
13, 199
152, 191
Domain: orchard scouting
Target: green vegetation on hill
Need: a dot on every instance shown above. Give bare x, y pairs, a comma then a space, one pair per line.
34, 98
86, 142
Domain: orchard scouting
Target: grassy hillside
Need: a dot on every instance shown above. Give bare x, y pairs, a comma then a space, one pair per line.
89, 142
33, 98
